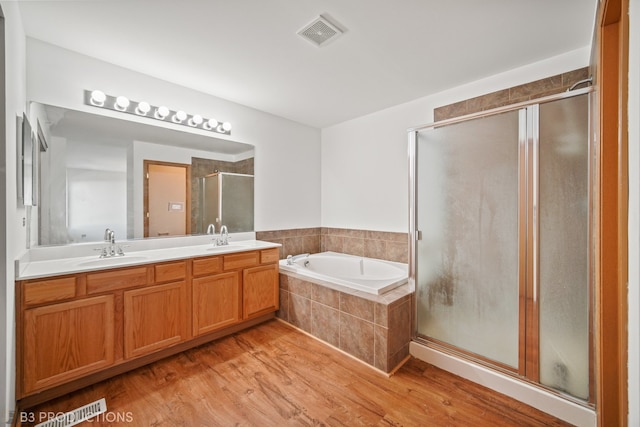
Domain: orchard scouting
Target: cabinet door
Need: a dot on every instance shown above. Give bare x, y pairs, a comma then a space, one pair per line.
154, 318
216, 302
260, 290
67, 340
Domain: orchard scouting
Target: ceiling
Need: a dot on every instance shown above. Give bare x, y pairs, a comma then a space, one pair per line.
247, 51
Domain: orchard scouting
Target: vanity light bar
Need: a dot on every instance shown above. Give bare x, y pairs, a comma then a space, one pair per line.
97, 98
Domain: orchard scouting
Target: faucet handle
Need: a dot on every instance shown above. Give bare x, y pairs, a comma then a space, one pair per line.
103, 251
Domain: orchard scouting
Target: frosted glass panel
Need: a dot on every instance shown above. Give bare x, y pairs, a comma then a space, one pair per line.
467, 212
564, 267
227, 199
237, 202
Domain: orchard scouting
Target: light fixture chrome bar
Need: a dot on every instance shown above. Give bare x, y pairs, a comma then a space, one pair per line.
97, 98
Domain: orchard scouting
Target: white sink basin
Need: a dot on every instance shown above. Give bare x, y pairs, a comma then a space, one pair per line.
100, 262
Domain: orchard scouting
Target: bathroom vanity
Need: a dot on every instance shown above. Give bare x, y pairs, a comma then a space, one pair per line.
82, 320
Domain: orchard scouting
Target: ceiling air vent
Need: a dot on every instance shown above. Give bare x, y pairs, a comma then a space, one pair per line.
320, 32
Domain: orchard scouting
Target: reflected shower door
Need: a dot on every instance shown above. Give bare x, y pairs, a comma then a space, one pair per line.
467, 266
564, 245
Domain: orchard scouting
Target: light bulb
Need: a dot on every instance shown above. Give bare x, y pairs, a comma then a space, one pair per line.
143, 108
195, 120
210, 124
98, 97
161, 113
122, 102
179, 117
226, 126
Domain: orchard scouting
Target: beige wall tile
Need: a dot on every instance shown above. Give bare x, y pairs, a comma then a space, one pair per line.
300, 312
381, 348
283, 312
325, 323
358, 307
525, 92
299, 287
400, 324
326, 296
356, 337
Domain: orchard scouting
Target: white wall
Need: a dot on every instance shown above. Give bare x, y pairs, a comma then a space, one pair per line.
364, 161
286, 166
13, 234
634, 214
287, 170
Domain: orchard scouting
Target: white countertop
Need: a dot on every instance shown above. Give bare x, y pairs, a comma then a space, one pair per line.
31, 269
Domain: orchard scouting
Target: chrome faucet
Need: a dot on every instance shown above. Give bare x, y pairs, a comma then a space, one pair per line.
224, 236
211, 229
109, 236
292, 258
111, 249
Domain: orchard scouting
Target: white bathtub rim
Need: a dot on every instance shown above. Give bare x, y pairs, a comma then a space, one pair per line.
386, 298
346, 285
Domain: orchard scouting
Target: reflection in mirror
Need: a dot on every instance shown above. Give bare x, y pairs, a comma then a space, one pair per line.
93, 176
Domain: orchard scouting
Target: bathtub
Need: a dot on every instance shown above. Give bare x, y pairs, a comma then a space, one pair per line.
368, 275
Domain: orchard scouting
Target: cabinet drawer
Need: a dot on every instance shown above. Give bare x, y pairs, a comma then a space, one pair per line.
241, 260
205, 266
116, 279
170, 271
269, 255
49, 290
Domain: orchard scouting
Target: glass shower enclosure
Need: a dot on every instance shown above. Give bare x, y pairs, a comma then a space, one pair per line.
500, 253
227, 199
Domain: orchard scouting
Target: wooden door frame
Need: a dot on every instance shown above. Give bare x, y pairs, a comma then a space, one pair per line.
145, 177
610, 70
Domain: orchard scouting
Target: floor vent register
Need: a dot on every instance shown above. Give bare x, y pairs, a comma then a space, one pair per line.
77, 416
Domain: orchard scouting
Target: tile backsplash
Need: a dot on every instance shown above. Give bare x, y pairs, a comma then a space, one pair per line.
390, 246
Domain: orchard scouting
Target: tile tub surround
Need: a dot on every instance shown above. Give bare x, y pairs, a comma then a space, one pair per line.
525, 92
373, 328
294, 241
388, 246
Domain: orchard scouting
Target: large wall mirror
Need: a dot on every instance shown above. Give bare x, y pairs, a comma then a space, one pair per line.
139, 180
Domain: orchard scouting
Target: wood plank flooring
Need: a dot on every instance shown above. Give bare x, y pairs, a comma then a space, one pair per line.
274, 375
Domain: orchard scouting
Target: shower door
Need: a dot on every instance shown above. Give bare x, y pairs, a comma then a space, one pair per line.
500, 259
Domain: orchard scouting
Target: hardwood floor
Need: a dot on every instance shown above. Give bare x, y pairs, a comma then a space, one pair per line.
272, 375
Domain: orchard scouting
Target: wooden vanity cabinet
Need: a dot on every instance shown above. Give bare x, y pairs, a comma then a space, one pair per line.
233, 288
260, 290
155, 317
67, 340
261, 293
216, 302
75, 326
